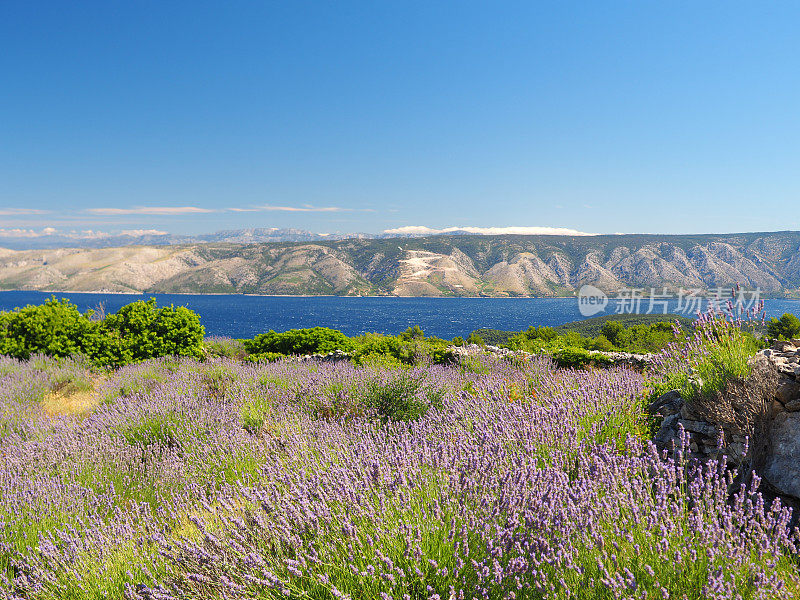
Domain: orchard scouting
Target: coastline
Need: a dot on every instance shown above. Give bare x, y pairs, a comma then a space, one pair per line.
113, 293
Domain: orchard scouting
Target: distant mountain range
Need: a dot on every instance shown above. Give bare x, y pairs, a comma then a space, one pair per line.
16, 239
20, 241
250, 261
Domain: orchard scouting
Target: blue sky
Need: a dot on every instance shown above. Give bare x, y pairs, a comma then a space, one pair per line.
600, 117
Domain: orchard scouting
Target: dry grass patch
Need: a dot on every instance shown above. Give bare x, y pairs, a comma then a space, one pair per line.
73, 397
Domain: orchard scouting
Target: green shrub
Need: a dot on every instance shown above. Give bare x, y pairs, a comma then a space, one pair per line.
577, 358
254, 414
785, 328
601, 343
136, 332
702, 367
474, 338
442, 355
224, 347
405, 351
412, 333
217, 380
401, 398
154, 430
142, 331
299, 341
264, 357
55, 328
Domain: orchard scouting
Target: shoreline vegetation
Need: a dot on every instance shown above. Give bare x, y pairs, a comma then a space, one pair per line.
399, 470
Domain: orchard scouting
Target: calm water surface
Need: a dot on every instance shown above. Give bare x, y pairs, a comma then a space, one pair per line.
246, 316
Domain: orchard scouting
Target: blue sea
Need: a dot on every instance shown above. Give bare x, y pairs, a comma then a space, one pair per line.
246, 316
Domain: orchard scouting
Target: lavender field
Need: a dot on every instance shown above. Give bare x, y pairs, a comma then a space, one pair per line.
176, 478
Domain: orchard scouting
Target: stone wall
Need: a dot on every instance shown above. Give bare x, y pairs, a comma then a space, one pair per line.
769, 441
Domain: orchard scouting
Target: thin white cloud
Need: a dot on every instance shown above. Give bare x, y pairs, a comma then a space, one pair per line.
306, 208
23, 211
422, 230
151, 210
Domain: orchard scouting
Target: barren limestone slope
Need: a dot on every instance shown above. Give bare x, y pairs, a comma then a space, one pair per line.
432, 266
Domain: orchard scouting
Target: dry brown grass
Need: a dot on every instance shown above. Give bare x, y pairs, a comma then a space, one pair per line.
744, 403
69, 400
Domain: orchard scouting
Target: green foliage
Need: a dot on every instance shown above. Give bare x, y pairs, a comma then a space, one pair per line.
404, 350
612, 330
154, 430
299, 341
224, 347
611, 336
493, 337
601, 343
402, 397
144, 331
136, 332
254, 413
442, 355
785, 328
593, 326
264, 357
474, 338
572, 357
412, 333
55, 328
217, 380
727, 360
703, 368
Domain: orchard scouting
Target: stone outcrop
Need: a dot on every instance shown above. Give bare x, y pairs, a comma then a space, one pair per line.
617, 358
769, 442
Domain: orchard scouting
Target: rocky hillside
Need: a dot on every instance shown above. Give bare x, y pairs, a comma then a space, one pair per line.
509, 265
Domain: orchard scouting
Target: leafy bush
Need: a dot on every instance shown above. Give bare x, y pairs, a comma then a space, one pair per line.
576, 358
144, 331
263, 357
494, 337
402, 350
785, 328
613, 336
136, 332
703, 365
224, 347
402, 397
154, 430
474, 338
299, 341
412, 333
442, 355
55, 328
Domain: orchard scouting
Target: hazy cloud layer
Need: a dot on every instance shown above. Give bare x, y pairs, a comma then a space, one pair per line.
305, 208
85, 234
186, 210
422, 230
22, 211
150, 210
